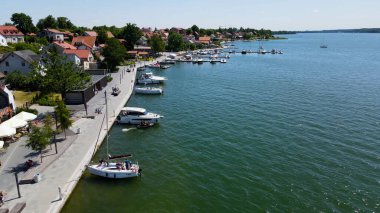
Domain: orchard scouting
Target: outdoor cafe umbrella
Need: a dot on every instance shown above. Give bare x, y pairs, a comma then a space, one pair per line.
25, 116
6, 131
15, 123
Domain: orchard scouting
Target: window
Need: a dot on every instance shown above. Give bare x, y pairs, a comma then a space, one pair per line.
23, 64
7, 63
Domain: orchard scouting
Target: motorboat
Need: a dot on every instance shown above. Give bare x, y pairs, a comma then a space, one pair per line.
223, 60
197, 61
156, 65
214, 56
149, 78
323, 46
114, 170
149, 90
213, 61
136, 115
164, 67
244, 52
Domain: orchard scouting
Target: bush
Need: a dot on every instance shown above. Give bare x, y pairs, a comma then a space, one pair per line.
20, 109
109, 78
46, 100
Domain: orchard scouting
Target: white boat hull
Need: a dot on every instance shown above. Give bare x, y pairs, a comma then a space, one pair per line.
148, 81
111, 171
149, 91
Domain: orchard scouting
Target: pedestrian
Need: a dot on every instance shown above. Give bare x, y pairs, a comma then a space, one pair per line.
2, 194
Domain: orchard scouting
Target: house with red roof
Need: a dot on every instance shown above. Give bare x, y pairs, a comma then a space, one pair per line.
204, 40
85, 57
84, 42
10, 34
91, 33
52, 34
61, 46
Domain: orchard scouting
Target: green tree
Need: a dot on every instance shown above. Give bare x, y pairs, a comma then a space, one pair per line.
195, 28
17, 80
102, 36
189, 31
48, 22
38, 140
61, 76
23, 22
113, 53
175, 42
63, 116
48, 123
157, 44
131, 33
64, 23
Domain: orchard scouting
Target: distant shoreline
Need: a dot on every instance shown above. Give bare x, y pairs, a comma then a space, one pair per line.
363, 30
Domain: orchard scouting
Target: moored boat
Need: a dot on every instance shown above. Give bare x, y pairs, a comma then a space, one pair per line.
113, 170
149, 78
136, 115
149, 90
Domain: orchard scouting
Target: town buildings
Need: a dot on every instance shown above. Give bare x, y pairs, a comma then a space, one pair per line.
10, 34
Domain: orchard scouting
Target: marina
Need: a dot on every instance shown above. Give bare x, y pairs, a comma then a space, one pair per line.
293, 103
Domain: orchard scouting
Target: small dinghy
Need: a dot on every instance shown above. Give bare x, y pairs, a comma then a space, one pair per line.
145, 125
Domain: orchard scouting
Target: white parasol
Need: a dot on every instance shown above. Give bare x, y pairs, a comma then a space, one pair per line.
25, 116
15, 123
6, 131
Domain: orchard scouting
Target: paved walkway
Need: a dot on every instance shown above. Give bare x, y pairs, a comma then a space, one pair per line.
65, 171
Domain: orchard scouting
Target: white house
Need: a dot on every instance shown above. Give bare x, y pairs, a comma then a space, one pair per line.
143, 41
10, 34
18, 60
53, 34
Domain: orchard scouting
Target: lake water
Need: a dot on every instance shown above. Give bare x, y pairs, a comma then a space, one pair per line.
294, 132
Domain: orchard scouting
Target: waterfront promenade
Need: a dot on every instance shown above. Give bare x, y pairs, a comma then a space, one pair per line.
67, 169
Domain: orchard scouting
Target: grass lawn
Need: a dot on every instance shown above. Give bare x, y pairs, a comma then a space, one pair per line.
22, 97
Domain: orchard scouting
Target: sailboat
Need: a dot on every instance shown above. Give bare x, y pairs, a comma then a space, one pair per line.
108, 169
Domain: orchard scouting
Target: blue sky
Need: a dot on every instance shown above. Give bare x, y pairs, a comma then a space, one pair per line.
270, 14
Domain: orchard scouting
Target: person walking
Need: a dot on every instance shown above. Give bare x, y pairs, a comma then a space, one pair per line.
2, 194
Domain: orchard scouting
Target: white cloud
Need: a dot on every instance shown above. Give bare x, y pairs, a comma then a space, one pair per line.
315, 11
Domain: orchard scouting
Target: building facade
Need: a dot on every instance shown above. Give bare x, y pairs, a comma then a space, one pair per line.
10, 34
18, 60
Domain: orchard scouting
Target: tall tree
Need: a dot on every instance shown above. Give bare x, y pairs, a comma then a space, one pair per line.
113, 53
102, 36
62, 76
48, 22
175, 42
157, 44
195, 28
62, 22
23, 22
131, 34
63, 116
65, 23
38, 140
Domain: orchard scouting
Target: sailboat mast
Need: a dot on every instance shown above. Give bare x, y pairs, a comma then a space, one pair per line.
105, 96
